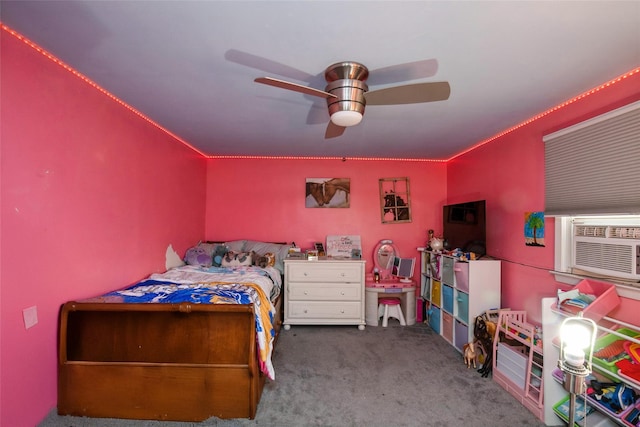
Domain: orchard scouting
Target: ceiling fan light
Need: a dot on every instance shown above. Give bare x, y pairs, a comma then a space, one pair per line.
346, 118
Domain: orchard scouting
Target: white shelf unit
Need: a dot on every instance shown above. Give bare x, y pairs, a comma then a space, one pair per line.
554, 390
517, 361
455, 292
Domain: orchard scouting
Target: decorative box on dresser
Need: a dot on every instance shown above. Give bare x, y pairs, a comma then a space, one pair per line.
455, 292
326, 291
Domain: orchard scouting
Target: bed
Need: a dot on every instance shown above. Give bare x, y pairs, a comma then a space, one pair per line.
192, 343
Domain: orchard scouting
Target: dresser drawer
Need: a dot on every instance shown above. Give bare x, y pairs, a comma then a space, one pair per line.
324, 272
325, 291
323, 310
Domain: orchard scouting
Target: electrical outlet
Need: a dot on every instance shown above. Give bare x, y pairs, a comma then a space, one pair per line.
30, 316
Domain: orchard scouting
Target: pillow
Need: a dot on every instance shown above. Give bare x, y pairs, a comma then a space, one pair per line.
199, 255
280, 250
237, 259
236, 245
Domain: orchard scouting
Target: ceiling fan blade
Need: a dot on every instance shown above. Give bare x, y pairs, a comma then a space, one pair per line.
409, 94
294, 87
266, 65
403, 72
333, 130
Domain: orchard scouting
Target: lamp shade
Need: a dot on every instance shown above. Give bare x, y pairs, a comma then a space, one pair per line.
346, 118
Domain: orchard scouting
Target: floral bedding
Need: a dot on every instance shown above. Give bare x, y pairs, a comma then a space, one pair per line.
214, 285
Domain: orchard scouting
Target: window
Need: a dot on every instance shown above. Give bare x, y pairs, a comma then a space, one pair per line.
591, 186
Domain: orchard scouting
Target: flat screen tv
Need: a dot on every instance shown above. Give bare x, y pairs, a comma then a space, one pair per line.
464, 227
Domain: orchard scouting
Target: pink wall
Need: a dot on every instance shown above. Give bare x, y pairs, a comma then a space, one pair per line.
92, 196
86, 186
264, 200
509, 173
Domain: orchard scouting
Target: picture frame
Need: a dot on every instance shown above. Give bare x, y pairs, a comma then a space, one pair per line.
327, 193
395, 200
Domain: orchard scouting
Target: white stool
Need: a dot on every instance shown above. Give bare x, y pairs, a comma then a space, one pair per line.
390, 307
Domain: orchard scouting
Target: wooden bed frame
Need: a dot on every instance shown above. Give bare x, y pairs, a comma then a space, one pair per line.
179, 362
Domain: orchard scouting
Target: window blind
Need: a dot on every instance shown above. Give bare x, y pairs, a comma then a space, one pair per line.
593, 167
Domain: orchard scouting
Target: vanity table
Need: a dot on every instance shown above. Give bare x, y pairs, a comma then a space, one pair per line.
389, 288
388, 285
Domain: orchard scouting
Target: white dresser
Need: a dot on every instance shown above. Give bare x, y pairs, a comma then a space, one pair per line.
324, 292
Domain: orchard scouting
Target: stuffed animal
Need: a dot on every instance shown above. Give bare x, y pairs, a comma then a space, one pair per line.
265, 260
469, 350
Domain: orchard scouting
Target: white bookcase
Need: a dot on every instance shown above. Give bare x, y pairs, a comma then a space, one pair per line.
455, 292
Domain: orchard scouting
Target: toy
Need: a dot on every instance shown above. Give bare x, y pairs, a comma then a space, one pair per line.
469, 350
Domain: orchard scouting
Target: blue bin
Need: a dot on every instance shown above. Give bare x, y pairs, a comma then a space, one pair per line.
462, 305
434, 319
447, 298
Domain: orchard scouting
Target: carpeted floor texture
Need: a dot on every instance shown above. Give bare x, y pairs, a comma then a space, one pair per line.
386, 377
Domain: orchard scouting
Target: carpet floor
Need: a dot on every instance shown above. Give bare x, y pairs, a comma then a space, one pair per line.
340, 376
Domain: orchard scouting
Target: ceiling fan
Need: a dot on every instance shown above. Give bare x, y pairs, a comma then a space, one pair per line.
347, 94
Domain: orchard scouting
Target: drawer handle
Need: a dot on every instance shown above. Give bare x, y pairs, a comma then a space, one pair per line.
305, 312
342, 311
305, 274
342, 274
306, 292
342, 293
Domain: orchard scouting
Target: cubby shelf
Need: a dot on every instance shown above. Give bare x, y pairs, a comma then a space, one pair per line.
455, 292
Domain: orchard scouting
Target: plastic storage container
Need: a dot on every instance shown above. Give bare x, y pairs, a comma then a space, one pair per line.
512, 363
611, 341
606, 298
630, 417
562, 410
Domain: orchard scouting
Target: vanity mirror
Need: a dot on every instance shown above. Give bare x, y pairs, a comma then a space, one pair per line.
383, 255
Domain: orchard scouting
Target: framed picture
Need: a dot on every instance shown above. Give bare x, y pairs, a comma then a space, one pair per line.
327, 192
395, 203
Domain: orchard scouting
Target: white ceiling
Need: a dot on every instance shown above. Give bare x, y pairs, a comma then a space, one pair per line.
190, 65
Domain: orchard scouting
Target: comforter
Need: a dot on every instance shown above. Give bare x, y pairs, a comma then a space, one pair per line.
214, 285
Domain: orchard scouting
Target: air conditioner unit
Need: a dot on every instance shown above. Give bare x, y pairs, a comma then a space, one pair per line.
607, 250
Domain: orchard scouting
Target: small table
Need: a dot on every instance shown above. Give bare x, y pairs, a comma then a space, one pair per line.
389, 288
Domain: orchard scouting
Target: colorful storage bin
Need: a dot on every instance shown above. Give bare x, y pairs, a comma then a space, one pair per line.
447, 298
562, 409
434, 319
611, 344
606, 298
631, 417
